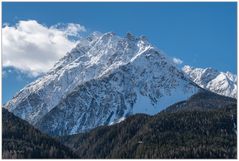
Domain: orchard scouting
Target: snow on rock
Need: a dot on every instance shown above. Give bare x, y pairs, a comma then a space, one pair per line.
103, 79
213, 80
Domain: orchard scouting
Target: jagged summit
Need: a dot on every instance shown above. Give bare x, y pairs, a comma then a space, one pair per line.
104, 79
223, 83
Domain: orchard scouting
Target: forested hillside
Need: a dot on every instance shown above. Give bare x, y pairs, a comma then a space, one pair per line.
204, 126
21, 140
186, 133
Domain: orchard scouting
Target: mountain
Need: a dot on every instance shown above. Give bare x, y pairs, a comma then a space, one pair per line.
21, 140
206, 131
103, 80
219, 82
179, 131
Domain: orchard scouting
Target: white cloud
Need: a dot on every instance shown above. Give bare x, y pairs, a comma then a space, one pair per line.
177, 61
70, 29
32, 47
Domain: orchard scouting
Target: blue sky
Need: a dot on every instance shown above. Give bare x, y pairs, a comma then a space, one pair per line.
200, 34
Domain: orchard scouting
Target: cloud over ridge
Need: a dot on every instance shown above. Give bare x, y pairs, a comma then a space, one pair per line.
177, 61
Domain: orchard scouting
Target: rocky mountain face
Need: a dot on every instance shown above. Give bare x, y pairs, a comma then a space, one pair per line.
203, 126
219, 82
103, 80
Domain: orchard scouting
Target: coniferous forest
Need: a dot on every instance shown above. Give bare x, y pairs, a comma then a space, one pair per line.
206, 131
119, 80
21, 140
187, 134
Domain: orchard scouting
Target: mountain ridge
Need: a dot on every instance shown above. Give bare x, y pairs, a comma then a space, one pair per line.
202, 132
223, 83
103, 80
207, 131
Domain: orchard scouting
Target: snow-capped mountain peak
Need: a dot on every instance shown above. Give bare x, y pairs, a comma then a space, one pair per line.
103, 79
223, 83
